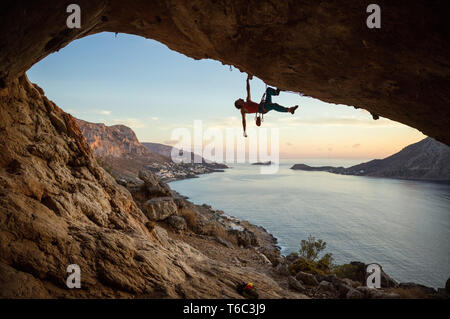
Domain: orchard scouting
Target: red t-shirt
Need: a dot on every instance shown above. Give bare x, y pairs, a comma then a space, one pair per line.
251, 107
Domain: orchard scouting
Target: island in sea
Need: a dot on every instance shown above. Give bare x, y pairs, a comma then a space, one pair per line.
263, 163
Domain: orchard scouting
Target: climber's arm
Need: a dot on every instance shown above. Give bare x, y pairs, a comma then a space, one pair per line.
248, 87
244, 124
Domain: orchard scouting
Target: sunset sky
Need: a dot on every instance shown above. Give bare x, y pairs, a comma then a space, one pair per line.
141, 83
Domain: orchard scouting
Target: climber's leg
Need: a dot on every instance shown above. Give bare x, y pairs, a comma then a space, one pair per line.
269, 93
274, 106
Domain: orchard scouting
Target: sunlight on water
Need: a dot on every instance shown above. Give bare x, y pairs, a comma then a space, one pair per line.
403, 225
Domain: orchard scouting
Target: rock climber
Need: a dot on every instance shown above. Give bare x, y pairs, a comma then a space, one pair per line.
263, 107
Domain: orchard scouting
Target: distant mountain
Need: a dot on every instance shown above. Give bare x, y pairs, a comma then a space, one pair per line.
115, 141
427, 160
161, 149
118, 148
118, 151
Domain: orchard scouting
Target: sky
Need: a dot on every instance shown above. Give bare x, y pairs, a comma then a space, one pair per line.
130, 80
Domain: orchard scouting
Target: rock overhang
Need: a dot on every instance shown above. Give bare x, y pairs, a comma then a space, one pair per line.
322, 49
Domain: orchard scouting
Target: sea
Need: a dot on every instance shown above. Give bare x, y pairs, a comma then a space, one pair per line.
403, 225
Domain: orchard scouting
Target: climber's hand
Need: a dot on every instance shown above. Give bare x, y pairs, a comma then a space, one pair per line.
245, 134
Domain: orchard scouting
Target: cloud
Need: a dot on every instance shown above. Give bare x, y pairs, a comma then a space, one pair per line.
289, 144
130, 122
356, 145
98, 112
154, 118
104, 112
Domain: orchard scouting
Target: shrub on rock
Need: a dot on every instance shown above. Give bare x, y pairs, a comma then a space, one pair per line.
347, 271
302, 264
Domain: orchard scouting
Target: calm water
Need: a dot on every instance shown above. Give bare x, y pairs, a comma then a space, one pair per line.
403, 225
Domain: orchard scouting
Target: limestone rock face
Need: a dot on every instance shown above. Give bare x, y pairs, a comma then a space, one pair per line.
323, 49
59, 207
115, 140
118, 150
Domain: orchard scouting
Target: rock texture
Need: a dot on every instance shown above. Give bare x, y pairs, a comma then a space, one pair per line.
427, 160
59, 207
320, 48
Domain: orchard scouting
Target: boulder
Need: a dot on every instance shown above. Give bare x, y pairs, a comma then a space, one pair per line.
369, 292
331, 278
351, 283
326, 287
294, 284
245, 238
321, 278
282, 269
375, 293
159, 208
354, 294
306, 278
177, 222
181, 203
342, 287
361, 275
411, 285
153, 186
272, 254
387, 281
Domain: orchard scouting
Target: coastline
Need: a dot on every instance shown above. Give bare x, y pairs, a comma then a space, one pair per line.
342, 171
